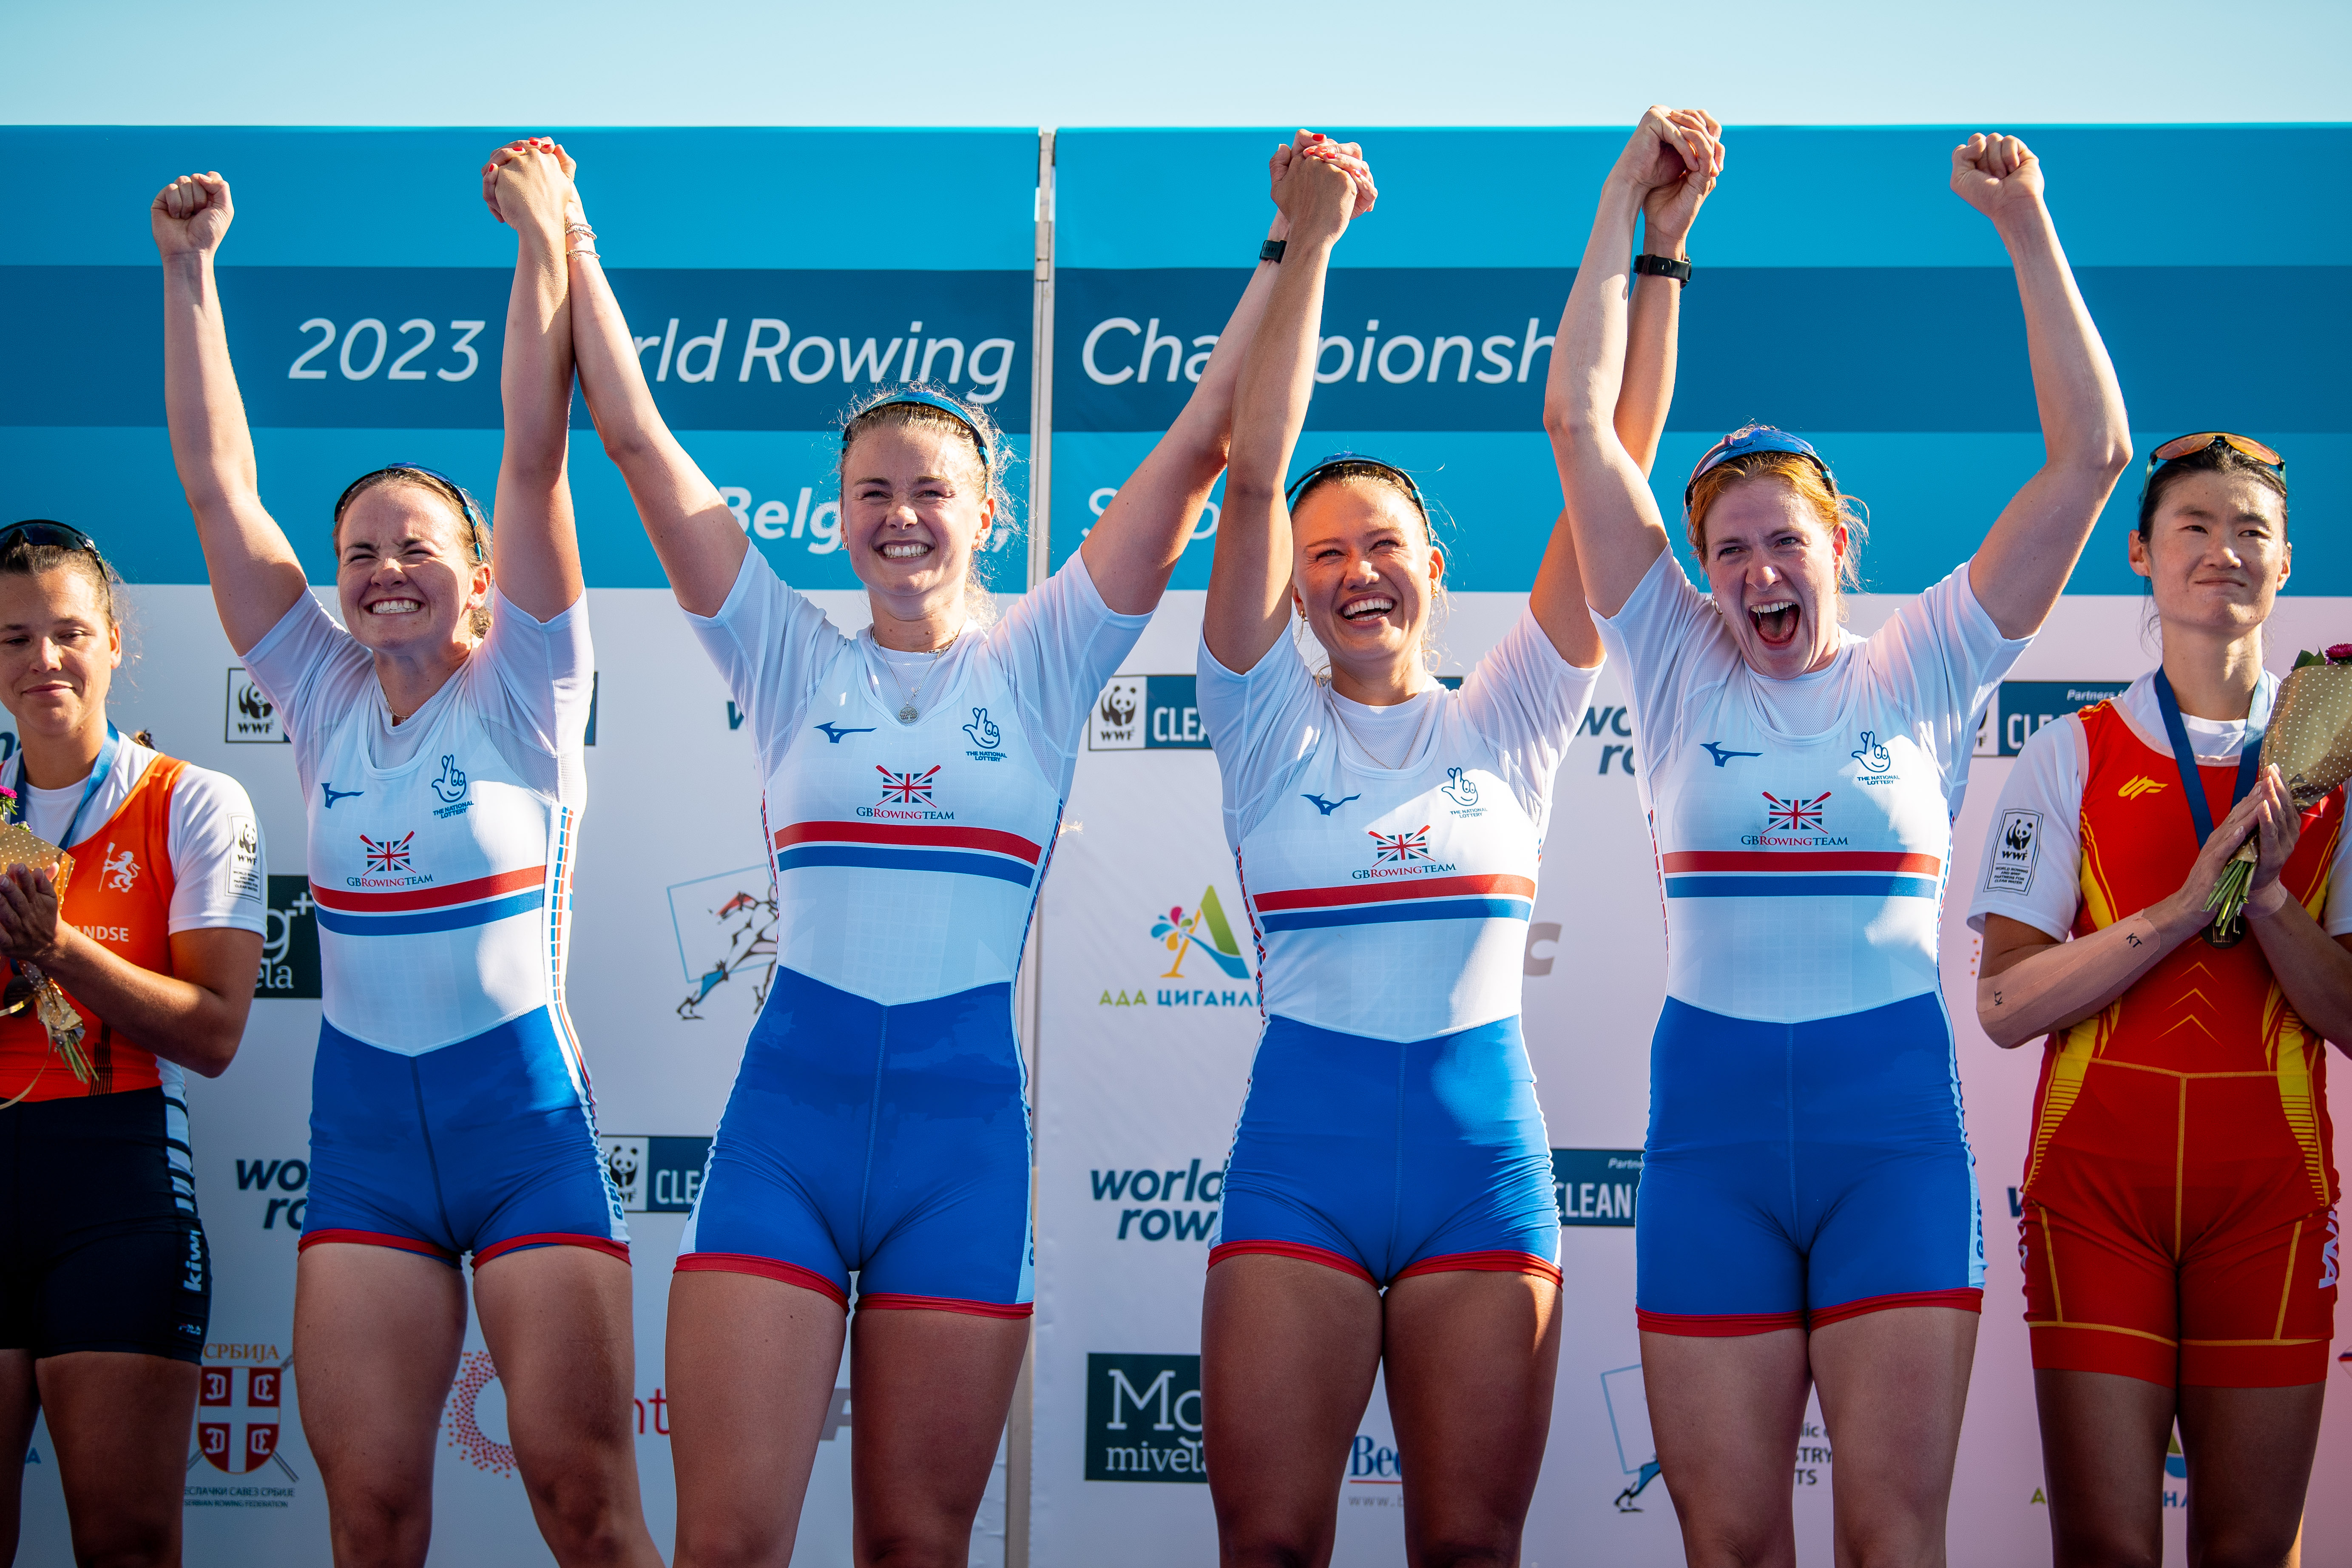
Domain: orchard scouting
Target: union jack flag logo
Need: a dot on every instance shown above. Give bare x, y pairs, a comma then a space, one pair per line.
389, 854
1794, 814
1399, 848
908, 788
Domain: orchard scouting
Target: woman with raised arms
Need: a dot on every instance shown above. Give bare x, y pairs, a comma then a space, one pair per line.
914, 775
1809, 1204
2179, 1230
1388, 1201
439, 740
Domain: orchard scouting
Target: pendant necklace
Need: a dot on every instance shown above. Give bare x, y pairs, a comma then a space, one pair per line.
908, 710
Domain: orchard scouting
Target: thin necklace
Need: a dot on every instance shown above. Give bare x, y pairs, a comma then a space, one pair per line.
908, 710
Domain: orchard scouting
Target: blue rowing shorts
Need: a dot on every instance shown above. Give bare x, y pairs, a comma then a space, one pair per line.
890, 1141
1385, 1158
486, 1146
1802, 1174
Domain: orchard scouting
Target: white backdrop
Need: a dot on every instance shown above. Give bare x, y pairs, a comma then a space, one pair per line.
1151, 1087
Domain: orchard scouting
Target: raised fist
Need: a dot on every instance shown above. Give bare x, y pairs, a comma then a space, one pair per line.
1997, 175
190, 214
1315, 192
529, 180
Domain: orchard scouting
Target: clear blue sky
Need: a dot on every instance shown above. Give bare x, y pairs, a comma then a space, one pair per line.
1201, 62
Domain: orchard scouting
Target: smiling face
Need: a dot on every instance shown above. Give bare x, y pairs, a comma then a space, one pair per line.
2216, 552
406, 571
915, 503
1773, 565
57, 650
1367, 578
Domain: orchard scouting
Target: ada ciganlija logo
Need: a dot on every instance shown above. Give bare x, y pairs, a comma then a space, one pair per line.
251, 718
1202, 936
726, 928
1143, 1418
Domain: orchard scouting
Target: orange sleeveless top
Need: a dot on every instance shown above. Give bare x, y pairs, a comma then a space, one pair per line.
120, 895
2205, 1024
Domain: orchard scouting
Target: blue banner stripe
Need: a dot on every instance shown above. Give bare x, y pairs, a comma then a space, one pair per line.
342, 923
1405, 909
1790, 885
962, 862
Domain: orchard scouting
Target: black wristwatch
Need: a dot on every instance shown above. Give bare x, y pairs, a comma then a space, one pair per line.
1660, 266
1272, 249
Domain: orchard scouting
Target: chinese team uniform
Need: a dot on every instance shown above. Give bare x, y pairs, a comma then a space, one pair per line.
2178, 1221
449, 1105
101, 1248
880, 1122
1388, 859
1806, 1160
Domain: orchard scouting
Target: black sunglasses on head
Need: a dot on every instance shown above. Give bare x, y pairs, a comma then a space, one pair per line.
48, 530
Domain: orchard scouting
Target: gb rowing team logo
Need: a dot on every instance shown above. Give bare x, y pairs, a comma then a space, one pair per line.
236, 1418
387, 855
1795, 815
1399, 848
908, 788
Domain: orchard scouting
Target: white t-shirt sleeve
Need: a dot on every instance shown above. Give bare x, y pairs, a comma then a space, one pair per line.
308, 667
770, 643
2034, 858
1261, 721
1944, 657
545, 671
1665, 637
1528, 701
220, 873
1061, 643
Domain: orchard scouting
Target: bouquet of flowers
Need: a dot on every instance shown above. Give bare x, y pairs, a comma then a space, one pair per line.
2310, 742
20, 846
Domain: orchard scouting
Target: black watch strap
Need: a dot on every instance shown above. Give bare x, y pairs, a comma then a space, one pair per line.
1660, 266
1272, 249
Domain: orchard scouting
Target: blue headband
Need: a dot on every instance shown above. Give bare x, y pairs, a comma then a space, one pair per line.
1750, 438
945, 405
1343, 459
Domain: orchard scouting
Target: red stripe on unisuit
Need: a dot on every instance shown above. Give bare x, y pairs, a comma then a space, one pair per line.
782, 1273
987, 838
1297, 1250
430, 898
1798, 860
311, 1238
1400, 887
603, 1244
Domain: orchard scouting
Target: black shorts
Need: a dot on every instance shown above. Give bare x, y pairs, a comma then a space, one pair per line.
101, 1248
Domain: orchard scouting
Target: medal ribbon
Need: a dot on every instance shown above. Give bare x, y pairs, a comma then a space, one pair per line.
2192, 784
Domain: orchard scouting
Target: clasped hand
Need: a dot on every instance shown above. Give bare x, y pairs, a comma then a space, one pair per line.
29, 914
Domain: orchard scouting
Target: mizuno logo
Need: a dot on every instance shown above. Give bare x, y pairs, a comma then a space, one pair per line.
1722, 756
2134, 788
834, 732
1327, 807
335, 795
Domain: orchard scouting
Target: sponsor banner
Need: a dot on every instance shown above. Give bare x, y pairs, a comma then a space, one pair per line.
2021, 707
1596, 1186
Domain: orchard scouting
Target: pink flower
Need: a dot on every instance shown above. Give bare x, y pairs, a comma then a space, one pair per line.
2340, 653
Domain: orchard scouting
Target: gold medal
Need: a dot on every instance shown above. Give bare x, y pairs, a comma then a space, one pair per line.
20, 846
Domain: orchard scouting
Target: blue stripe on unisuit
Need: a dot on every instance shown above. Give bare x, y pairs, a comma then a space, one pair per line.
1783, 886
969, 865
342, 923
1404, 910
